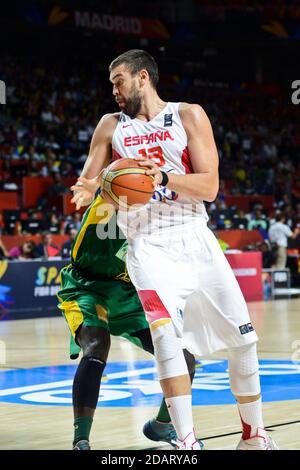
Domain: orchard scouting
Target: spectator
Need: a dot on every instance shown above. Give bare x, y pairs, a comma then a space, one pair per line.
32, 154
53, 225
15, 252
47, 248
28, 250
247, 189
279, 233
33, 168
47, 115
58, 188
240, 221
52, 163
258, 222
67, 245
52, 143
3, 250
73, 222
285, 200
269, 149
269, 254
67, 169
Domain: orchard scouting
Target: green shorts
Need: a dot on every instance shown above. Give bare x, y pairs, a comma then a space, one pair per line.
110, 304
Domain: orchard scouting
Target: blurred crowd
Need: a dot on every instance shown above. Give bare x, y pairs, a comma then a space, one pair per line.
46, 248
42, 226
50, 117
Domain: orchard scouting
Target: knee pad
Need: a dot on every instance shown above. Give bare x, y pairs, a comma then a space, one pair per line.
94, 342
86, 382
96, 349
168, 351
243, 370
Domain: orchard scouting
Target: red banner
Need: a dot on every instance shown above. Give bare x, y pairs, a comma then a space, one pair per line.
247, 268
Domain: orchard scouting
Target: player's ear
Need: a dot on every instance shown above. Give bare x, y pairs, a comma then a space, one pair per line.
144, 76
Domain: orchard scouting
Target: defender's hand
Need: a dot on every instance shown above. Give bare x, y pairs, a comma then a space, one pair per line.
84, 192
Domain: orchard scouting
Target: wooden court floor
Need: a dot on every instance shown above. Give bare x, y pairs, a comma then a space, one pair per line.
44, 342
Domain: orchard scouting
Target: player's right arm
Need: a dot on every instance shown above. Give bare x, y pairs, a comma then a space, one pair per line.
100, 148
98, 158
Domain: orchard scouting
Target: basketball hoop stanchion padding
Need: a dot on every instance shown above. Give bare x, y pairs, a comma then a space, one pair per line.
247, 268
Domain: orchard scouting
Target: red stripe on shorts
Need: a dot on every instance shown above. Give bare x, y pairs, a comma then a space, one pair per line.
152, 305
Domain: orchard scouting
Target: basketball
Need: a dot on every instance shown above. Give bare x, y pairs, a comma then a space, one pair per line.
125, 183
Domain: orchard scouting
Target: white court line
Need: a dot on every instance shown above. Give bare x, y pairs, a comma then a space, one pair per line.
64, 383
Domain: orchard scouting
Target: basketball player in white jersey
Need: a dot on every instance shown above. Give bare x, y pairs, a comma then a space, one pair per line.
187, 288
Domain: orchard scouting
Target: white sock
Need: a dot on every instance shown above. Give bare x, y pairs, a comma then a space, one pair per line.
251, 417
180, 410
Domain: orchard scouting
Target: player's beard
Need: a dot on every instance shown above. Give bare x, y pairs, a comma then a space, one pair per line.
133, 103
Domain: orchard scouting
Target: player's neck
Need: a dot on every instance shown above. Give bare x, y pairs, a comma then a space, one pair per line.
151, 107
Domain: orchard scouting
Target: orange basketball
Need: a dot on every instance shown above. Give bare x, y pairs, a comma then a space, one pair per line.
124, 183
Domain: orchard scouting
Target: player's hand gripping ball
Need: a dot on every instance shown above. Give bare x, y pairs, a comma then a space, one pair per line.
125, 183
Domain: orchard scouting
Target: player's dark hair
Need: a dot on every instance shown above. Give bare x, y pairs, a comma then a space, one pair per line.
136, 60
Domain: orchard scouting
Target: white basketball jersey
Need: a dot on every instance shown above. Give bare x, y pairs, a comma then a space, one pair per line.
164, 140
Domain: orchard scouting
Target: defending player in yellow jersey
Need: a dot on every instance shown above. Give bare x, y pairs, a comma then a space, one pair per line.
98, 299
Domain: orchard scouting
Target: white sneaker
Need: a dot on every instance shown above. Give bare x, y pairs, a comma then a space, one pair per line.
261, 441
190, 442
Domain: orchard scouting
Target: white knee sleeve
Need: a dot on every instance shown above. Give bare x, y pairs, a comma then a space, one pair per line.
244, 370
168, 351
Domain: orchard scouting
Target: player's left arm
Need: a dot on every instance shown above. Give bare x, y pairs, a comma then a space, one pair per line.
204, 182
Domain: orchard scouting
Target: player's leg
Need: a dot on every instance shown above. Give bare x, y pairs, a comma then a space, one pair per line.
163, 415
175, 382
160, 428
88, 324
220, 305
245, 385
95, 344
128, 319
163, 298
